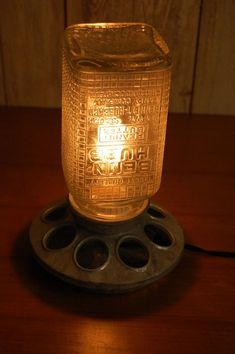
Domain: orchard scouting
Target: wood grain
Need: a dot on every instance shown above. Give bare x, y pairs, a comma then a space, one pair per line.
214, 89
2, 80
201, 45
190, 311
176, 21
31, 42
75, 12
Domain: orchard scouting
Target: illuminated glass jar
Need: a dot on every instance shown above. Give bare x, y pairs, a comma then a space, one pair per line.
116, 80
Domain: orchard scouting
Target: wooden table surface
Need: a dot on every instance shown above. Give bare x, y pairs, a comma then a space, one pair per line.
192, 310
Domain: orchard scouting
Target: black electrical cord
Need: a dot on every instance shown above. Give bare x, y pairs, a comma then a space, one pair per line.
215, 253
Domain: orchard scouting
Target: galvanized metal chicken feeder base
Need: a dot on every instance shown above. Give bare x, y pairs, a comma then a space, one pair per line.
106, 257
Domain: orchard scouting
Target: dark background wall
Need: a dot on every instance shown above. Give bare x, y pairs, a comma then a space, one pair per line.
200, 34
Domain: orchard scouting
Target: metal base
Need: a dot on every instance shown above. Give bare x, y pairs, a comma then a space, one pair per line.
106, 257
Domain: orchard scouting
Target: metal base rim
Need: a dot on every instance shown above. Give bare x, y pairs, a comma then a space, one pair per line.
123, 256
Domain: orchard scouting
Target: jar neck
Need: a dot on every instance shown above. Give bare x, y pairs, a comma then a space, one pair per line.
109, 211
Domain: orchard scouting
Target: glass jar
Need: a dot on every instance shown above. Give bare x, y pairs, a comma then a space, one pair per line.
115, 94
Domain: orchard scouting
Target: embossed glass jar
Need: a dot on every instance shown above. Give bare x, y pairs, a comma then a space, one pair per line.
116, 80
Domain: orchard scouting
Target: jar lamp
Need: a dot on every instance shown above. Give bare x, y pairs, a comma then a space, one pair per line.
107, 235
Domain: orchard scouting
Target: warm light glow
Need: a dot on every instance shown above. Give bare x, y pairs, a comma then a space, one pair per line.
116, 81
108, 151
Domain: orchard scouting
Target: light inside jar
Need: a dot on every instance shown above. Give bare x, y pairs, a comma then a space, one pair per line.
116, 80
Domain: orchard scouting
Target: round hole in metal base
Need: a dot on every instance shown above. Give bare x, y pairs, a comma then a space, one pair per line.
92, 254
158, 235
55, 214
155, 213
60, 237
133, 253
